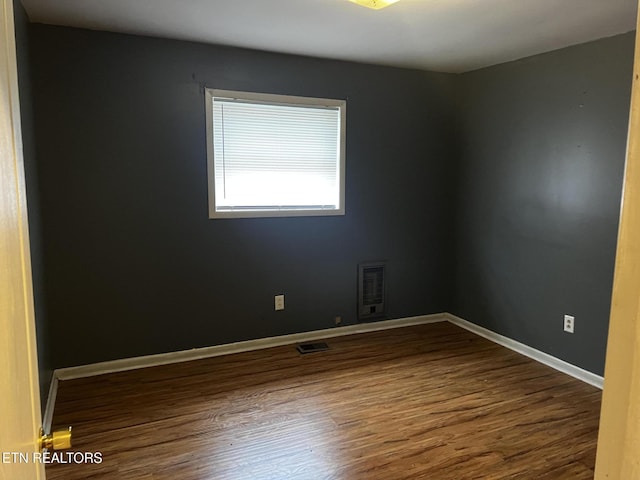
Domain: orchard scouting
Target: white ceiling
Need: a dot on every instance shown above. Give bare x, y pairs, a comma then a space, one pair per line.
440, 35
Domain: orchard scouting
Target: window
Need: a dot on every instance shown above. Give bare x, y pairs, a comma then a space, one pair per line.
274, 155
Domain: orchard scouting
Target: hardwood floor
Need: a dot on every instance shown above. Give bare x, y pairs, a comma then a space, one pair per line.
426, 402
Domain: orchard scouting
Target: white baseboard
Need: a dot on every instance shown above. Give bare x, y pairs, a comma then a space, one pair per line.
217, 350
47, 416
551, 361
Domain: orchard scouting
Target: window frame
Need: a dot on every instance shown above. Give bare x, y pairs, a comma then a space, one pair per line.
273, 99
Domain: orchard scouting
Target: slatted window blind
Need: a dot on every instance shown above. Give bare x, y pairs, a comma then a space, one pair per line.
276, 154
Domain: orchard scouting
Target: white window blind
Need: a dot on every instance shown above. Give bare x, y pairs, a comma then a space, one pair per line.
276, 154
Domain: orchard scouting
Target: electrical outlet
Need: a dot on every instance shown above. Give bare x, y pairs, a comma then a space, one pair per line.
338, 320
279, 302
568, 323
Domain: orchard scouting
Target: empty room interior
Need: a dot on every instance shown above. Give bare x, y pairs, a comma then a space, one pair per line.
442, 311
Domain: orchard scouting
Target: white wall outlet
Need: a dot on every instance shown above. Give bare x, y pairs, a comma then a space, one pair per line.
279, 302
568, 323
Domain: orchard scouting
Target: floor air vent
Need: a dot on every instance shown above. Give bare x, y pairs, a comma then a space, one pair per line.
370, 290
312, 347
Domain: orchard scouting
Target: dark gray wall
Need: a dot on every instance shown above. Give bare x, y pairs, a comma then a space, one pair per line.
541, 162
33, 202
523, 210
135, 267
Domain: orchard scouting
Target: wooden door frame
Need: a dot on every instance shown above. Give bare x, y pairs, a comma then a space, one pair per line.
19, 384
618, 455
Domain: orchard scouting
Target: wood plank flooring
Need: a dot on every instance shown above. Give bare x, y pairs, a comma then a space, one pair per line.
425, 402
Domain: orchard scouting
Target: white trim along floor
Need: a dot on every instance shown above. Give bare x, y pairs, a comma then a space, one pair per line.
217, 350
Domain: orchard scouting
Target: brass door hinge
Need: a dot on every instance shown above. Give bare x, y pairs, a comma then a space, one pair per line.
58, 440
